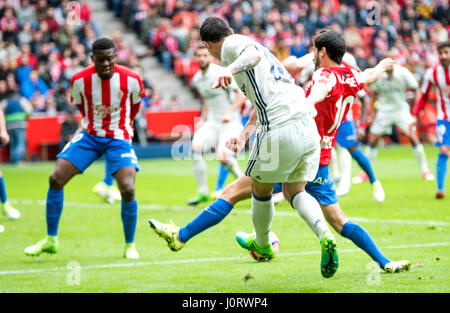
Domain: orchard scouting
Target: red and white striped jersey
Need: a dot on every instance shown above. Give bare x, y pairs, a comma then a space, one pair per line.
440, 78
306, 75
343, 84
108, 106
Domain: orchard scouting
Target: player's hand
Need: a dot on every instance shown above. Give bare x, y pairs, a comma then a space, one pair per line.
4, 137
226, 118
222, 81
361, 133
235, 144
290, 63
413, 125
387, 63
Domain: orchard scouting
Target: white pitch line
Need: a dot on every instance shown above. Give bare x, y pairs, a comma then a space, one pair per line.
159, 207
186, 261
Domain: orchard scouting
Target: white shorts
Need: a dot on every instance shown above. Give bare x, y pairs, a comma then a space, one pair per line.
215, 135
288, 153
383, 122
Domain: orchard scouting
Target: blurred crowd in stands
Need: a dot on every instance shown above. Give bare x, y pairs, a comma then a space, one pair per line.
42, 45
411, 28
44, 42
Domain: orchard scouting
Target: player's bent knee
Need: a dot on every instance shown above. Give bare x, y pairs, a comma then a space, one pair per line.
238, 190
56, 182
334, 216
127, 193
287, 195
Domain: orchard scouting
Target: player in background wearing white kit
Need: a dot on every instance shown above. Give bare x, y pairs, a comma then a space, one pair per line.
439, 77
219, 121
393, 109
347, 139
287, 141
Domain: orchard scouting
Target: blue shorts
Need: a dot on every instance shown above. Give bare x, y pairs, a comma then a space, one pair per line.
442, 133
84, 149
346, 136
321, 188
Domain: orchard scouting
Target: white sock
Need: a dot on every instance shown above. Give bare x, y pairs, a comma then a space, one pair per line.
200, 173
233, 166
309, 209
262, 216
345, 162
371, 153
419, 152
334, 168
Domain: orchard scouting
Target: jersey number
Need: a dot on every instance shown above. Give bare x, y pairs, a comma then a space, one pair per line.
276, 69
341, 106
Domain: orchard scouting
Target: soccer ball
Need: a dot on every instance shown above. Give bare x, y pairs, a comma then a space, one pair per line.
274, 241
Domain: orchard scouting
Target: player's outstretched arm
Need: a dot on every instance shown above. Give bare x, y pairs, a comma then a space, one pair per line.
319, 92
293, 63
248, 59
371, 75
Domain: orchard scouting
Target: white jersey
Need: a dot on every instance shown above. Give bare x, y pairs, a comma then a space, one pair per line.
268, 86
218, 100
392, 91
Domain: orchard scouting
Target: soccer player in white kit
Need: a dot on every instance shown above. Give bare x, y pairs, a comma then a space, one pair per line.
219, 121
393, 109
287, 145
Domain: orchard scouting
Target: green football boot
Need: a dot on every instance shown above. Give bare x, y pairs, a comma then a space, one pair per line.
199, 198
330, 261
216, 194
397, 266
248, 242
9, 211
130, 251
168, 232
49, 245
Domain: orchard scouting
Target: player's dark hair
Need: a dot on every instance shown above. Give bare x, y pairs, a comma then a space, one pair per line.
103, 44
442, 45
214, 29
333, 42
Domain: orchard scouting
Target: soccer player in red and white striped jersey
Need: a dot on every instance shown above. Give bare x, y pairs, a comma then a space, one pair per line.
439, 76
108, 96
109, 105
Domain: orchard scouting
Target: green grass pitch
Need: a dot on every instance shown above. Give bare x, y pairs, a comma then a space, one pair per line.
410, 224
